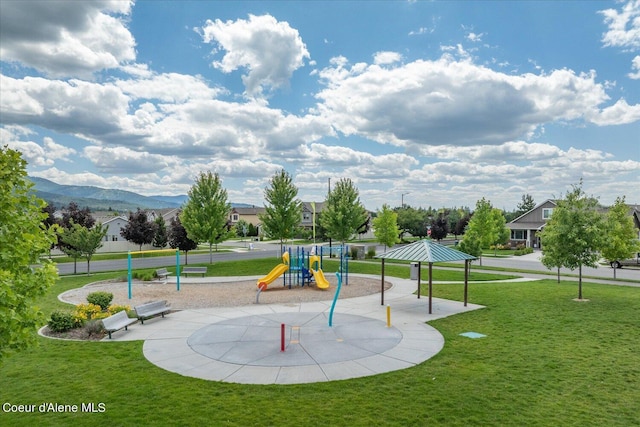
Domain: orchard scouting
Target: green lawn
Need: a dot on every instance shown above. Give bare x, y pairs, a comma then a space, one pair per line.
546, 360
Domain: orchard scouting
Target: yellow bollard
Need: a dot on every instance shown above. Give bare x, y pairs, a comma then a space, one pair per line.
388, 316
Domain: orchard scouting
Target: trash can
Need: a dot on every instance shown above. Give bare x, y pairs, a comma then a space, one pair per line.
413, 273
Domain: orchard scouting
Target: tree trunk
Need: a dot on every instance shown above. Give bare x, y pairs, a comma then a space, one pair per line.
210, 253
580, 281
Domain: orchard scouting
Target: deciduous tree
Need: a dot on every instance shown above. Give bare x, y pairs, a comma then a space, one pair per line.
343, 213
574, 235
621, 240
24, 275
412, 221
83, 242
178, 238
439, 227
385, 227
139, 229
73, 214
488, 224
283, 210
205, 215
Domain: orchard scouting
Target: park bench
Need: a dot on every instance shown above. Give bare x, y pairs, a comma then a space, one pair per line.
194, 270
117, 321
150, 309
162, 273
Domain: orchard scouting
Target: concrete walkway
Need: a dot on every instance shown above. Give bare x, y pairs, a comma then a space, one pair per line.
243, 344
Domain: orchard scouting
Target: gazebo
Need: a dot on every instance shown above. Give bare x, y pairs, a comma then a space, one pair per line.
427, 251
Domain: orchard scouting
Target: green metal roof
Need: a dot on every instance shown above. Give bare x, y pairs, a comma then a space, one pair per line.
425, 251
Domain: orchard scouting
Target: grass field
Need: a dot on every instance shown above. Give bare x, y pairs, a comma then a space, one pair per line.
546, 360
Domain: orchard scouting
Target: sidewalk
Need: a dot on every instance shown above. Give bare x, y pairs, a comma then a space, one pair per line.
243, 344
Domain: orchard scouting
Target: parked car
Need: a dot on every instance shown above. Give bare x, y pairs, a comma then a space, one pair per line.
631, 261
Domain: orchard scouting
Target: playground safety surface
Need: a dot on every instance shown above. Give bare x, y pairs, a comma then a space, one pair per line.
244, 344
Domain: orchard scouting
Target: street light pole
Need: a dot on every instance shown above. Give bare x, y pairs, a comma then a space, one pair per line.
402, 198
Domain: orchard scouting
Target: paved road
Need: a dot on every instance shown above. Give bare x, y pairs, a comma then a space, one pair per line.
266, 249
532, 262
260, 251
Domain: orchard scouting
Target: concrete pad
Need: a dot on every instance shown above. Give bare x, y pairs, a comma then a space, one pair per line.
243, 344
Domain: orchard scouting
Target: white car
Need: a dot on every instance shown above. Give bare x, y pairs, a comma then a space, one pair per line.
631, 261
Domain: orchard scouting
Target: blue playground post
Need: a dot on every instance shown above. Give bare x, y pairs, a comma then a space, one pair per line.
177, 269
129, 269
335, 298
129, 272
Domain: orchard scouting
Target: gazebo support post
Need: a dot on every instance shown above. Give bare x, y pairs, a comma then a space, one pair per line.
430, 284
419, 277
382, 285
466, 280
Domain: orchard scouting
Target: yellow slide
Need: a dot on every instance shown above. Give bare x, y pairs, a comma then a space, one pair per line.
321, 281
318, 275
277, 271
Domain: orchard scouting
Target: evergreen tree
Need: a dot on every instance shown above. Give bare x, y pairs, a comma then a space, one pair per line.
525, 205
205, 215
160, 239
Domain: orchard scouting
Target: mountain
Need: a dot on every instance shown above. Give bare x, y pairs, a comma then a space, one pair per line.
179, 200
97, 198
101, 199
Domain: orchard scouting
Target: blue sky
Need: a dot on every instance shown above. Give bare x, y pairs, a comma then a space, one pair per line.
444, 102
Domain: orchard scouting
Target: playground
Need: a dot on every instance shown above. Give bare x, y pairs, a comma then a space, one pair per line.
287, 341
217, 332
198, 292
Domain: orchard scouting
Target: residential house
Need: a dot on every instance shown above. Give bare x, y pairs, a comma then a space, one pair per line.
251, 214
524, 229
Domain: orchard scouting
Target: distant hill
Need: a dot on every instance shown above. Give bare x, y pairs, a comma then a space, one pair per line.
97, 198
101, 199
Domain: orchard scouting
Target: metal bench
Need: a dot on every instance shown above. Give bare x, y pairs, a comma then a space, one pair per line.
117, 321
162, 273
194, 270
151, 309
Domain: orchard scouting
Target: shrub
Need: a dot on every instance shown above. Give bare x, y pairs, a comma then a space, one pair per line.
103, 299
113, 309
371, 252
94, 327
354, 252
145, 276
523, 251
86, 312
61, 321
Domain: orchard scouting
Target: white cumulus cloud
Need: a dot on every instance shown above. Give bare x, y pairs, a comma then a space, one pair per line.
269, 49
